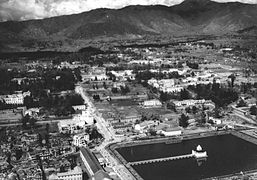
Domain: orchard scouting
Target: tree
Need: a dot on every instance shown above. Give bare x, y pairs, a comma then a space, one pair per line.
232, 77
114, 90
104, 85
188, 110
194, 109
183, 120
32, 122
47, 127
202, 118
28, 102
217, 112
78, 74
40, 139
241, 103
47, 140
164, 97
171, 106
184, 94
253, 110
124, 90
96, 97
75, 99
25, 120
152, 132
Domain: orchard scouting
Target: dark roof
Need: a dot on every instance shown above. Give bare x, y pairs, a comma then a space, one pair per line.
91, 159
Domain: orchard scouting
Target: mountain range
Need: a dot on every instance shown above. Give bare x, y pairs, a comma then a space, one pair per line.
189, 17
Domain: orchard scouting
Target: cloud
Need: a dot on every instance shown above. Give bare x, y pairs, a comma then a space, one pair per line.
37, 9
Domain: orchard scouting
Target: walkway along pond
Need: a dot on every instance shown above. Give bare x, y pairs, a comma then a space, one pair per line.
137, 155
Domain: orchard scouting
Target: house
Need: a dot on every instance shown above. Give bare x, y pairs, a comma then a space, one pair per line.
79, 107
75, 174
215, 121
93, 167
142, 127
189, 102
17, 98
165, 85
75, 125
94, 77
31, 111
85, 116
124, 75
170, 131
152, 103
121, 127
80, 140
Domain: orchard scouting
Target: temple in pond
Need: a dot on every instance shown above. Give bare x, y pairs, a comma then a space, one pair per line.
199, 153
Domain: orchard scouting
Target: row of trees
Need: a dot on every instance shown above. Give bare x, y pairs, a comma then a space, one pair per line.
146, 75
123, 90
221, 96
60, 106
182, 95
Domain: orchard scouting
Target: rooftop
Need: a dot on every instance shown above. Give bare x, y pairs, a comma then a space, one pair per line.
91, 159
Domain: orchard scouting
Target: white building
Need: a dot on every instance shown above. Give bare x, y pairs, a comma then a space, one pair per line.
31, 111
80, 140
170, 132
165, 85
144, 126
189, 102
16, 98
215, 121
79, 107
85, 116
174, 89
75, 174
95, 77
123, 75
77, 124
152, 103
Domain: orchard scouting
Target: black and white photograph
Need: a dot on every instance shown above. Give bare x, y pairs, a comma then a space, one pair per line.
128, 89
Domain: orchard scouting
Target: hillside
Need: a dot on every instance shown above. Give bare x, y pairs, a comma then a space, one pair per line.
189, 17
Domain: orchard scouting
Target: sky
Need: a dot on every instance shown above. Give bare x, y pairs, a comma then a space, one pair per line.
37, 9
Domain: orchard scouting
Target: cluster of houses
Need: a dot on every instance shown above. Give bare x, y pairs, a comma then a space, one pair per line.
166, 85
79, 122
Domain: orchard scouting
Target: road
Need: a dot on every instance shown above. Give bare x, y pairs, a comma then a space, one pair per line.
236, 113
109, 137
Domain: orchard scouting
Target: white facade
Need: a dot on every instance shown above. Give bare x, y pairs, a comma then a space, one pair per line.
78, 123
189, 102
75, 174
85, 116
166, 85
152, 103
16, 98
123, 75
95, 77
80, 140
79, 107
170, 132
172, 89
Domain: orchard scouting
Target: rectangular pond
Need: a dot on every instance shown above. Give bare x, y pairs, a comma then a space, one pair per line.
227, 154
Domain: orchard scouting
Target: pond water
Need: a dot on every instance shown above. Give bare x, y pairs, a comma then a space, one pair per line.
227, 154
